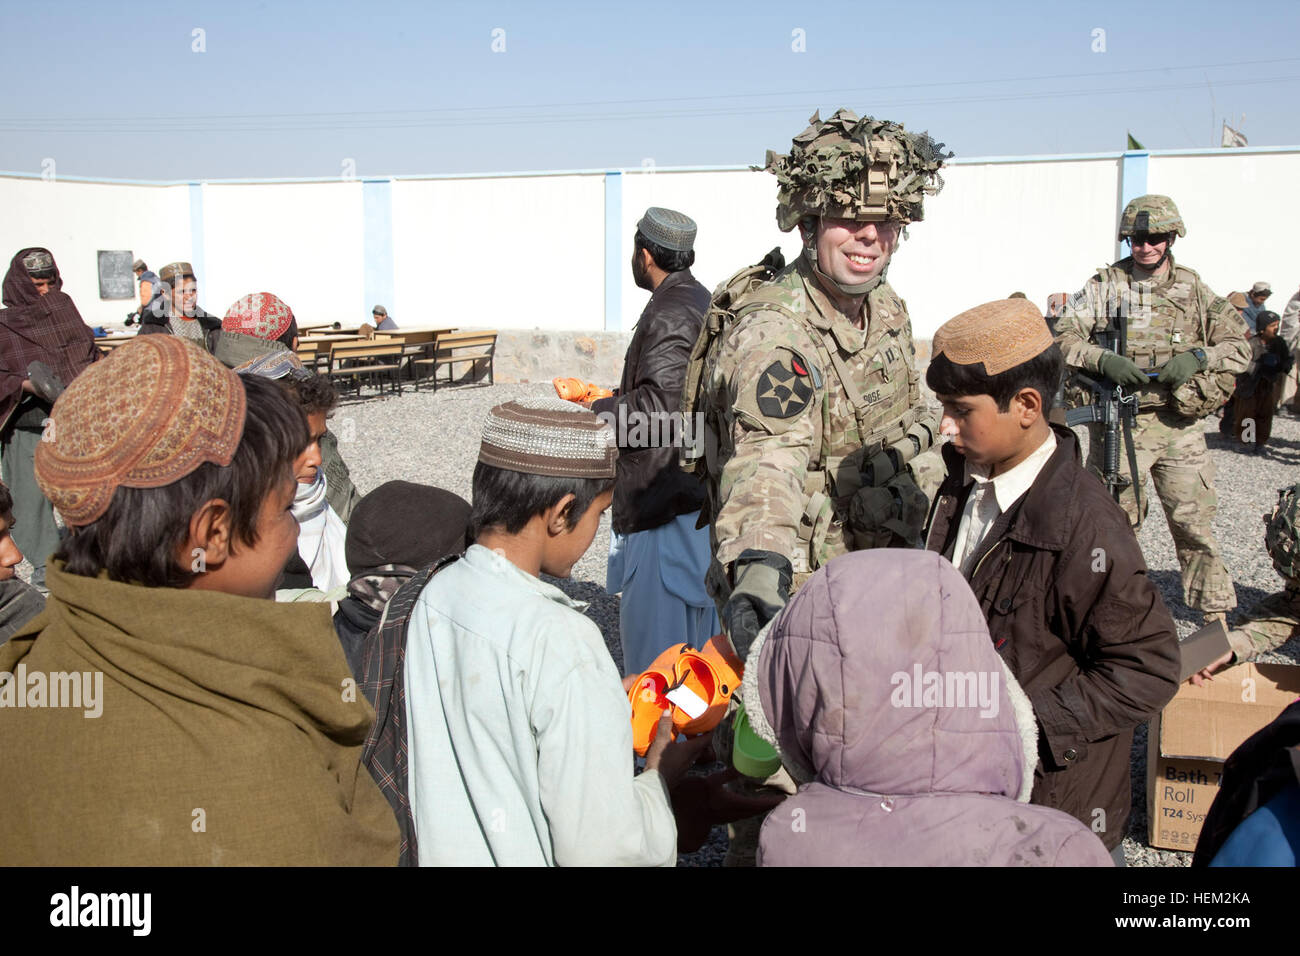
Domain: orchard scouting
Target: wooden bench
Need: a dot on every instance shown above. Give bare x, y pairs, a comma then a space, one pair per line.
356, 360
447, 348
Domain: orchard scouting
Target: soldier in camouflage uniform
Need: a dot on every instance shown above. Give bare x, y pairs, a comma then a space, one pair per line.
1276, 619
815, 425
1185, 345
814, 392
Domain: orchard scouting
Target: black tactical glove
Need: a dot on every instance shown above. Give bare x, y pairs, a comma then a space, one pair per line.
1182, 367
1121, 370
762, 588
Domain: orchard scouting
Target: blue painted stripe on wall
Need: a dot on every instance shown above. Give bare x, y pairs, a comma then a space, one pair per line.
377, 206
197, 255
1132, 183
613, 251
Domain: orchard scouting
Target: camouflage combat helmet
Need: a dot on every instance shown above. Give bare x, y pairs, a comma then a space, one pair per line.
1280, 533
850, 168
1152, 214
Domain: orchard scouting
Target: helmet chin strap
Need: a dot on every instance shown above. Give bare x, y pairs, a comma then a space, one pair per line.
1160, 263
861, 288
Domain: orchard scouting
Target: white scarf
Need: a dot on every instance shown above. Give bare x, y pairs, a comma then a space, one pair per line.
322, 535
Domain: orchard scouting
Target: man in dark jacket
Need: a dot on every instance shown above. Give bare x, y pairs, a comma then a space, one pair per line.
657, 557
174, 308
1052, 560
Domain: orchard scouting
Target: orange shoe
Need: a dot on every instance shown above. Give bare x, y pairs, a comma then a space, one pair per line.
696, 684
648, 700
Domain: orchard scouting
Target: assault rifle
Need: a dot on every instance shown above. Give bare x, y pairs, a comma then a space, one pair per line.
1114, 410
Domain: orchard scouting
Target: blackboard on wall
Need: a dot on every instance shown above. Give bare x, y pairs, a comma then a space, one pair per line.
116, 280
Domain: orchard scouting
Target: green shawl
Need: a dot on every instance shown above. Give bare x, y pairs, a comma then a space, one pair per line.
229, 733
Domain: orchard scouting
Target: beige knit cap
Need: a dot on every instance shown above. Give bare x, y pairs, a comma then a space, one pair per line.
145, 416
548, 436
1000, 334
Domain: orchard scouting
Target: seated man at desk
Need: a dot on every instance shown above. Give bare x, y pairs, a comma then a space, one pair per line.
383, 323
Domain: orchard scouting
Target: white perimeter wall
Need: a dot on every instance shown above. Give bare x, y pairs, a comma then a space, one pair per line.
512, 253
530, 251
302, 241
76, 220
1241, 213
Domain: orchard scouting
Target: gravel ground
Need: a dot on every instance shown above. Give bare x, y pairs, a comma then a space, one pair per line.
433, 438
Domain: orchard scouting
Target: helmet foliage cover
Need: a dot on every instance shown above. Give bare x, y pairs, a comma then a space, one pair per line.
850, 168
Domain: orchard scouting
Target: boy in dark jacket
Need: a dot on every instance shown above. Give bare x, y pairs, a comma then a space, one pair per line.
1052, 560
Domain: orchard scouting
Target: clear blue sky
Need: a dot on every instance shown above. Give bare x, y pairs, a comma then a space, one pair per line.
297, 88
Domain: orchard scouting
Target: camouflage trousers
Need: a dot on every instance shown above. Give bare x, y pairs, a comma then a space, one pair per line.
1172, 449
1273, 622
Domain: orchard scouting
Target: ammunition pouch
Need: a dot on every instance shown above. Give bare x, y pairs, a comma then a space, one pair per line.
1201, 394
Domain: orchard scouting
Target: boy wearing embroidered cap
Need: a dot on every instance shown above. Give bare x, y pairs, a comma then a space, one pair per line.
218, 734
174, 309
520, 734
1052, 560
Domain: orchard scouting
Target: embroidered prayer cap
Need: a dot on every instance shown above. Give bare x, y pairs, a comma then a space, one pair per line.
274, 365
176, 270
259, 313
668, 228
147, 415
39, 264
1000, 334
1261, 288
548, 436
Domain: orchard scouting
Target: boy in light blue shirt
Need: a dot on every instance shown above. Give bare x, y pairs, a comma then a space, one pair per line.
519, 728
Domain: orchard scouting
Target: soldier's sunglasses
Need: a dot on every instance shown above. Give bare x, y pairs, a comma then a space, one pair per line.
1149, 239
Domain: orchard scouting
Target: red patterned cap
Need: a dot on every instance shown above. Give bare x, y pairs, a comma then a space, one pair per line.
261, 314
145, 416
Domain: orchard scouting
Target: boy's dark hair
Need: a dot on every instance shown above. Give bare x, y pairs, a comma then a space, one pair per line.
315, 393
137, 539
669, 260
1042, 373
509, 499
6, 505
286, 338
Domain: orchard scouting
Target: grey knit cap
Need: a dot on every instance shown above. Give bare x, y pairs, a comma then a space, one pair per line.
548, 436
669, 228
379, 310
39, 265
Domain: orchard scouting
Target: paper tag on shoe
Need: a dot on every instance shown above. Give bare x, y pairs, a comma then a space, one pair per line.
686, 699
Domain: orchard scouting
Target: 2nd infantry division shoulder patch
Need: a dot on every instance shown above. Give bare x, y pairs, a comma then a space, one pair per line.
783, 392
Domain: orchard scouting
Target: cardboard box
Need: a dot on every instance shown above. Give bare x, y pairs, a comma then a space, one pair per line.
1199, 729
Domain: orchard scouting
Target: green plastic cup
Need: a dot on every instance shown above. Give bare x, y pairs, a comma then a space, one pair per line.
750, 754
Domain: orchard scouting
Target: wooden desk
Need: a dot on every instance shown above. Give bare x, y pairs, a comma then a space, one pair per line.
332, 337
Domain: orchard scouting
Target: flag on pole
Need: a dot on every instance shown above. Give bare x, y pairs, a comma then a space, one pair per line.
1134, 144
1232, 137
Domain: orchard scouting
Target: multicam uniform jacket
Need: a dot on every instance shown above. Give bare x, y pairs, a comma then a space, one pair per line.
1166, 316
806, 400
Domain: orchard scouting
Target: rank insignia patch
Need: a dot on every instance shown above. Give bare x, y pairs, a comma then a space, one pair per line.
783, 393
